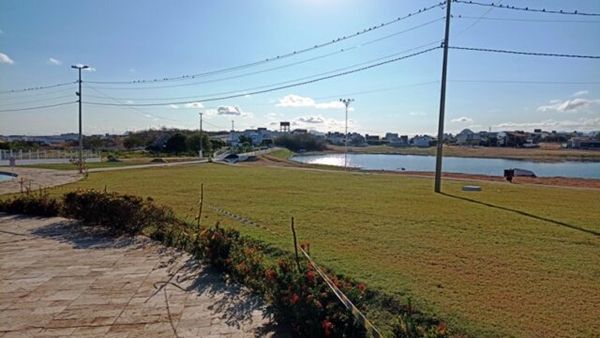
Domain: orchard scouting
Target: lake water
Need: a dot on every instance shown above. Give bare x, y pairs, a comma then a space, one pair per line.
480, 166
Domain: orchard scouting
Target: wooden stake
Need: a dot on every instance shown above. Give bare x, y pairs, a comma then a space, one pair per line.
200, 207
295, 245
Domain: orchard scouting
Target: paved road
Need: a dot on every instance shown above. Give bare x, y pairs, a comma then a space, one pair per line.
57, 280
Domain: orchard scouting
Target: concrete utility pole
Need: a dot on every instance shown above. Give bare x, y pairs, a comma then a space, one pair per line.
79, 68
440, 142
201, 150
346, 103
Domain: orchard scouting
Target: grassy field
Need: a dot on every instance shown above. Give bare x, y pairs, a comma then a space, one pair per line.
512, 260
549, 152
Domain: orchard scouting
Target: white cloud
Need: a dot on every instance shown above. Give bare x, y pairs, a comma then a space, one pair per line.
54, 61
462, 119
311, 119
297, 101
6, 59
580, 93
90, 69
567, 105
318, 122
194, 105
129, 102
173, 106
417, 113
132, 70
230, 110
578, 124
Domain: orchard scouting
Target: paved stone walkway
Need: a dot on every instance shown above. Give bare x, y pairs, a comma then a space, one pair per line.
39, 178
59, 280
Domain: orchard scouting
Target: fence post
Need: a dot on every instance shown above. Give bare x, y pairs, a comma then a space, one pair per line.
200, 208
295, 244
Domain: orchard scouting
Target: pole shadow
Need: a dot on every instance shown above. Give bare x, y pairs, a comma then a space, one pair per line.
523, 213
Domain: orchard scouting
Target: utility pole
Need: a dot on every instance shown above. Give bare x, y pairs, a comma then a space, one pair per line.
232, 126
201, 150
79, 68
440, 142
346, 103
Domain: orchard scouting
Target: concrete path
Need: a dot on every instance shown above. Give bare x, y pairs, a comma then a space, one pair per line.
57, 279
36, 178
151, 165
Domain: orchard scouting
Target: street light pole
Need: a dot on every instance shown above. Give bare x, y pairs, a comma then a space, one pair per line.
79, 68
346, 103
201, 149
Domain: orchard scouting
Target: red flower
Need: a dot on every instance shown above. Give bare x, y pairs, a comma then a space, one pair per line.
362, 287
294, 299
442, 329
327, 327
271, 274
310, 276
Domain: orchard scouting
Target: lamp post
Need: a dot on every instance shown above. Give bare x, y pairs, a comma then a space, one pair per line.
346, 103
79, 68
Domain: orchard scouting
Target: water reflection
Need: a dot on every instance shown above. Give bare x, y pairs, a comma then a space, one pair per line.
479, 166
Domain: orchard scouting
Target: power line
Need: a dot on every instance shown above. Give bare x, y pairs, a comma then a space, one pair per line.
356, 70
281, 56
37, 88
525, 20
245, 91
62, 97
504, 51
37, 107
529, 82
343, 50
528, 9
477, 20
146, 115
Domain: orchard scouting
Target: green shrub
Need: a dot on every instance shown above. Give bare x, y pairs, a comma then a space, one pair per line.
36, 204
120, 213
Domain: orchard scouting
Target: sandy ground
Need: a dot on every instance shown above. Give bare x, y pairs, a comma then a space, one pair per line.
58, 279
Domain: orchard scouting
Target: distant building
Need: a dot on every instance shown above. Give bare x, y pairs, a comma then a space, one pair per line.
422, 141
299, 131
583, 143
389, 137
512, 138
468, 138
336, 138
372, 139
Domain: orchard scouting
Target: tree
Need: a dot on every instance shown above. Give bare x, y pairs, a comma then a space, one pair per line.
133, 141
299, 142
176, 144
193, 143
245, 140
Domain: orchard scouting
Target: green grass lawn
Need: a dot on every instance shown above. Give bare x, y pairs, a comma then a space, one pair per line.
282, 154
512, 260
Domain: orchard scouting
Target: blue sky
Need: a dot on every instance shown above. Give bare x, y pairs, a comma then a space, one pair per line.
130, 40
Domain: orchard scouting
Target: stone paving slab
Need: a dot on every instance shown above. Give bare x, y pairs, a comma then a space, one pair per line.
57, 280
36, 178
